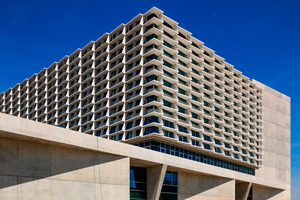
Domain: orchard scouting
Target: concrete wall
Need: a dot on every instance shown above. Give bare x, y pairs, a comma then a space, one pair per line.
276, 144
195, 186
30, 170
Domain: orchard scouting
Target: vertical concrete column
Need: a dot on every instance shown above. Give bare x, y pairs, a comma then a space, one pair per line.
155, 179
242, 190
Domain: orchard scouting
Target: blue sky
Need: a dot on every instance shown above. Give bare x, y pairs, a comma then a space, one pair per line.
260, 38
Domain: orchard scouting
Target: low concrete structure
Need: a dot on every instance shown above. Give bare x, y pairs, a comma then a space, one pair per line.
40, 161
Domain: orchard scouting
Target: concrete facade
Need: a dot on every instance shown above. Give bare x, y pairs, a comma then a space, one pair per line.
197, 126
40, 161
277, 159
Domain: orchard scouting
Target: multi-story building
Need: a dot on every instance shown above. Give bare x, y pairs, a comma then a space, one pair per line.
150, 83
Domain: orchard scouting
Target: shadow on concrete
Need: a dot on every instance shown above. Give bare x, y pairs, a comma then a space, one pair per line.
203, 185
25, 161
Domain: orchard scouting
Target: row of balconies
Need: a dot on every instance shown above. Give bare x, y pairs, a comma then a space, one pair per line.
149, 89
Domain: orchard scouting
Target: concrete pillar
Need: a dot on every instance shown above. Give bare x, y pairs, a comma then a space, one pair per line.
155, 179
242, 190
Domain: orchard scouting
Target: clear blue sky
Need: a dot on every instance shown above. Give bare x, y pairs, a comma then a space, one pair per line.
260, 38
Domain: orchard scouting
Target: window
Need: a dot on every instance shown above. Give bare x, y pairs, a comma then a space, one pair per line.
168, 113
227, 153
167, 44
181, 91
181, 54
151, 98
195, 98
168, 54
181, 100
227, 145
168, 73
165, 63
168, 93
181, 63
150, 120
195, 143
206, 121
151, 57
182, 129
168, 134
138, 183
182, 138
182, 119
236, 149
168, 84
167, 103
195, 106
181, 72
150, 130
217, 150
194, 115
194, 62
151, 78
206, 146
170, 186
206, 104
168, 124
195, 134
181, 110
207, 138
195, 80
217, 125
218, 142
150, 37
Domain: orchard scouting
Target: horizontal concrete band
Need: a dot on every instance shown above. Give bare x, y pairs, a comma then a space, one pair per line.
23, 129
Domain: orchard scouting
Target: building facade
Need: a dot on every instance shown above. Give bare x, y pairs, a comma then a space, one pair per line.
151, 84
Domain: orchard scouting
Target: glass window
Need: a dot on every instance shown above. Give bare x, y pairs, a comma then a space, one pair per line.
181, 91
167, 103
182, 138
168, 84
207, 138
218, 142
150, 130
206, 146
182, 110
195, 134
182, 129
169, 189
168, 124
138, 183
168, 134
195, 143
151, 119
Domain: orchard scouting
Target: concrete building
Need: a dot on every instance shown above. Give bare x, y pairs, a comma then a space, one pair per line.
195, 127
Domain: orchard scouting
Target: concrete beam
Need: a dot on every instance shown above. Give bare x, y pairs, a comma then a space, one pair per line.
156, 175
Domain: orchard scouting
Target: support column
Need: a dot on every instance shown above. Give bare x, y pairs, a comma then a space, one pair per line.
242, 190
155, 179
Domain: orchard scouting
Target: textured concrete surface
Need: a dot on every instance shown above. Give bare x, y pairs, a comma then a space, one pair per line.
276, 144
30, 170
194, 186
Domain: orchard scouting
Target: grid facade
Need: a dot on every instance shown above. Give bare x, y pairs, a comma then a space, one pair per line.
147, 77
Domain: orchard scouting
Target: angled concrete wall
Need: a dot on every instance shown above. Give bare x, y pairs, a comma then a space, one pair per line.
41, 171
195, 186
